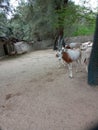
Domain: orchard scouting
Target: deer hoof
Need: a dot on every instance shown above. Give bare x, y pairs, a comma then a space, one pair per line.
70, 76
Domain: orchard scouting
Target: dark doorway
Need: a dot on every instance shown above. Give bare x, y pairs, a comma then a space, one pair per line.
5, 49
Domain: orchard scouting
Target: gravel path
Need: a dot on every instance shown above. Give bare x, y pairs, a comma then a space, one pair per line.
37, 95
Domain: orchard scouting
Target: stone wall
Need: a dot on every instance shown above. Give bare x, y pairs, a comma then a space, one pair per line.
80, 39
46, 44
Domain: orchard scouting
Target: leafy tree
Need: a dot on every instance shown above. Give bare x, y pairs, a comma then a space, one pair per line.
21, 22
2, 24
43, 19
4, 4
4, 9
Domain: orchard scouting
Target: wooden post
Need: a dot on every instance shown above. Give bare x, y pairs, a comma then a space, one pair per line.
93, 63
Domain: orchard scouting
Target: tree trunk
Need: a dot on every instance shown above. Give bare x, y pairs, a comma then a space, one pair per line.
60, 29
93, 63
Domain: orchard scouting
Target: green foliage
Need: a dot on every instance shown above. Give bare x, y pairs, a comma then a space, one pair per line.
5, 6
4, 30
84, 30
4, 10
21, 22
75, 20
40, 19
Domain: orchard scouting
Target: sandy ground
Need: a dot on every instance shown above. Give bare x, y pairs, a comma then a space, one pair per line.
37, 95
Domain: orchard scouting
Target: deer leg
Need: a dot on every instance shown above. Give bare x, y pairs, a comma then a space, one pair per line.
70, 70
78, 64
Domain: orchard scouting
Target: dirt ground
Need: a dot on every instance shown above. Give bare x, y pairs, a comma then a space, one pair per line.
37, 95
